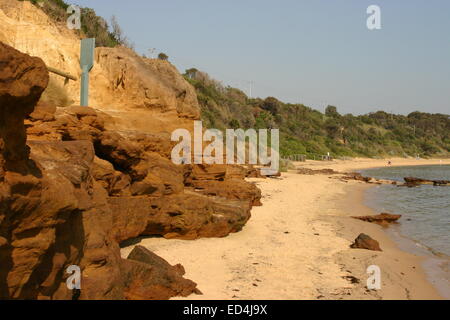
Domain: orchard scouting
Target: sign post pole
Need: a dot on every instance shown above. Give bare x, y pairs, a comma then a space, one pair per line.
86, 64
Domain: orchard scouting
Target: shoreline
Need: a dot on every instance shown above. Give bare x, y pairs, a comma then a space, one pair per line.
296, 246
404, 271
434, 266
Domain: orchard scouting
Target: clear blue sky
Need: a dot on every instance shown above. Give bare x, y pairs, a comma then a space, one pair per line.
315, 52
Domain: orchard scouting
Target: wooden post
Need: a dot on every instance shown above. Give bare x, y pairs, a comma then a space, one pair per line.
62, 73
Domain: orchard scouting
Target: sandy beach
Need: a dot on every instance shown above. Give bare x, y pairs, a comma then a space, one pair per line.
296, 246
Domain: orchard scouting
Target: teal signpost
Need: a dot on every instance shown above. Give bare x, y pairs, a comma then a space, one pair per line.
86, 64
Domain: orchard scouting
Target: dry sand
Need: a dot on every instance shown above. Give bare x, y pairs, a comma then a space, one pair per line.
296, 246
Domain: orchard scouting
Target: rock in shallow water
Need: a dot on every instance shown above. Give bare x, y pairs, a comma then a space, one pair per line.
411, 181
383, 219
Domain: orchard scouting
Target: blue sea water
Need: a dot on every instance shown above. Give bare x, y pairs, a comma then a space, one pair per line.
425, 209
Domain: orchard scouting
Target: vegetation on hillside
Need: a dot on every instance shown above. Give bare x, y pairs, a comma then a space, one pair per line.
92, 26
302, 129
310, 132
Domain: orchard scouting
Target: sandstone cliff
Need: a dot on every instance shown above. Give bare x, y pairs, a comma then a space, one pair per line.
120, 80
89, 178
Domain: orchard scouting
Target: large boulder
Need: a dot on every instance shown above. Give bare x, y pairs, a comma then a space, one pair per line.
183, 216
363, 241
149, 276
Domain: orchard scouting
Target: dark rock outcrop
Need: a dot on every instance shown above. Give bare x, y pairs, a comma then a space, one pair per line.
356, 176
383, 219
307, 171
363, 241
413, 182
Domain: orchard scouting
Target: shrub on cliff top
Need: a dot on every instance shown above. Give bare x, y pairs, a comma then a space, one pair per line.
163, 56
92, 26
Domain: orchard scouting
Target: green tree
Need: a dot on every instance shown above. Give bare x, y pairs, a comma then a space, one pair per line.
333, 128
272, 105
191, 73
331, 111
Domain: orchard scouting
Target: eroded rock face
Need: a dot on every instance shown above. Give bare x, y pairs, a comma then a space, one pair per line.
53, 212
51, 206
149, 194
225, 181
22, 81
145, 83
81, 236
86, 186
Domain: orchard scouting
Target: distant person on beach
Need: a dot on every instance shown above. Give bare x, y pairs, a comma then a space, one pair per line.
389, 163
